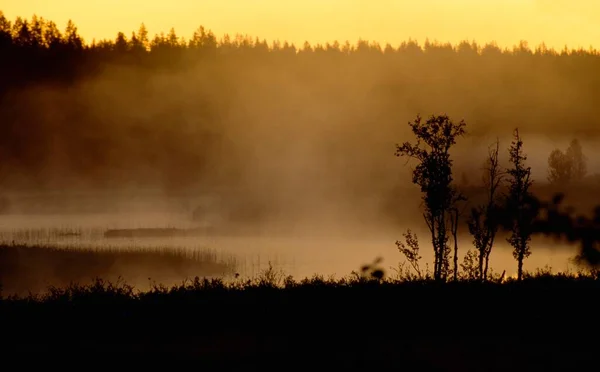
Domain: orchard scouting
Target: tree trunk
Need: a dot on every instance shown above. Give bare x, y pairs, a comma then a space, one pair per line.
480, 268
442, 233
487, 260
454, 234
520, 268
487, 255
435, 251
439, 249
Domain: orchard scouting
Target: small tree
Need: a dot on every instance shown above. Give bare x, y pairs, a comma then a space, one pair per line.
559, 168
484, 220
433, 174
410, 250
519, 203
469, 266
568, 166
578, 161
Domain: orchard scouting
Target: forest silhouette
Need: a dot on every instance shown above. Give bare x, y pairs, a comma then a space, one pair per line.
130, 101
242, 116
272, 125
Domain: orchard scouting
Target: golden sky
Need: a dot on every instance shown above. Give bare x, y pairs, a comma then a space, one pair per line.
575, 23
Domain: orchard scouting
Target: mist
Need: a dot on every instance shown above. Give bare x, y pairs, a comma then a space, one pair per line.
272, 139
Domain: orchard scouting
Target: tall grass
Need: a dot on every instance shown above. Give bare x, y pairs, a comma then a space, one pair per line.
25, 268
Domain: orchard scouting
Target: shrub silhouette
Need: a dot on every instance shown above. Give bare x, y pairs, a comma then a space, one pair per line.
410, 250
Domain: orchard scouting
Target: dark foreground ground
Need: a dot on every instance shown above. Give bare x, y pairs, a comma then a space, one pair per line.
545, 323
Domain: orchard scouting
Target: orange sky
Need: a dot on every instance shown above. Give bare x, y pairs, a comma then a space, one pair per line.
575, 23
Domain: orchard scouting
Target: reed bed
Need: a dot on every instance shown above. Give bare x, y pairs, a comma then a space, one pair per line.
33, 268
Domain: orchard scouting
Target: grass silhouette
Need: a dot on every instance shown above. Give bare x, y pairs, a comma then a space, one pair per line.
350, 323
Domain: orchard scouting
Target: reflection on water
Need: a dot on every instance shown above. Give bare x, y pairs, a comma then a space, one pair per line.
301, 254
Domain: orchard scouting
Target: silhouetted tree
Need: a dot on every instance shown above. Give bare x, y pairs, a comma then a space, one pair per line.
140, 41
121, 43
518, 203
72, 38
433, 174
559, 168
566, 167
21, 33
52, 36
469, 266
578, 161
37, 32
5, 32
203, 39
484, 219
172, 39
